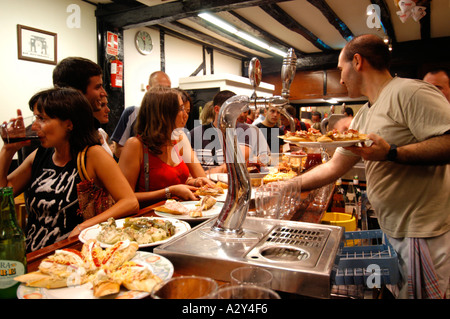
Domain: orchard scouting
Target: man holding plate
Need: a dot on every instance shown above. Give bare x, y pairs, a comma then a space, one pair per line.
407, 165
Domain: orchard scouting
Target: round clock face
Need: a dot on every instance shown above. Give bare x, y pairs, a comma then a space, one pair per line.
144, 42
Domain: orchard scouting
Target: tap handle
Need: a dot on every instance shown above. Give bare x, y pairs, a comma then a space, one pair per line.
288, 72
254, 74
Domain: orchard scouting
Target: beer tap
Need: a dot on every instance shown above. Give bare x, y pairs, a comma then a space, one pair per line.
287, 76
288, 70
236, 205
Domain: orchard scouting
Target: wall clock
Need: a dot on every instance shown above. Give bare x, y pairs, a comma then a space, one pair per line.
143, 42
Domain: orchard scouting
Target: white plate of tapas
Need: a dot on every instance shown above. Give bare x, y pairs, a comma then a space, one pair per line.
159, 265
188, 207
329, 144
146, 231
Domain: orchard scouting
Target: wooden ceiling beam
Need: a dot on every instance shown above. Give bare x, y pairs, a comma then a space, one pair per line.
282, 17
409, 53
119, 16
229, 36
182, 31
258, 32
425, 22
386, 19
333, 18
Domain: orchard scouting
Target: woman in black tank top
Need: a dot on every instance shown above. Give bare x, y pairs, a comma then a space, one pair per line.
48, 176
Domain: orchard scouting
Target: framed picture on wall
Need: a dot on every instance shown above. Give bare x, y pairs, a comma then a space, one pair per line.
36, 45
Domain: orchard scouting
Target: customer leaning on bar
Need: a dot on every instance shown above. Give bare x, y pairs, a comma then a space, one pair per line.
159, 162
407, 166
65, 126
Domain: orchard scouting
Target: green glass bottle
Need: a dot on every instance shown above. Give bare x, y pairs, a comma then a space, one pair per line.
12, 246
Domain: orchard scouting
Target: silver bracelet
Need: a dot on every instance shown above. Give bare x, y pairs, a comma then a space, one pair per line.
167, 190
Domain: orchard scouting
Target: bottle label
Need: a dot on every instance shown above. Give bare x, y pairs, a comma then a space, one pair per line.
8, 270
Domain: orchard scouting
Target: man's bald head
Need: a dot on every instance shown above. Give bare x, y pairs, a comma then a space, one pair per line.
159, 78
372, 48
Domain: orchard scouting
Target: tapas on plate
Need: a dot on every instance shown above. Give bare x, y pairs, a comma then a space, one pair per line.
119, 271
314, 137
146, 231
204, 209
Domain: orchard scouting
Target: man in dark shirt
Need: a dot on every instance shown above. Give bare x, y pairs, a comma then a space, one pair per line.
271, 130
206, 140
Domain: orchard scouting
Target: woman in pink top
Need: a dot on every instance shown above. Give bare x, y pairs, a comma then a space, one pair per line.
153, 161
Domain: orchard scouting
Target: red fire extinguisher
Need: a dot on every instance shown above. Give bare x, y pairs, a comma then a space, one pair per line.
116, 73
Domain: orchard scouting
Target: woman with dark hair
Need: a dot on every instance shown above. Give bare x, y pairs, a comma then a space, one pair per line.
153, 160
65, 126
187, 101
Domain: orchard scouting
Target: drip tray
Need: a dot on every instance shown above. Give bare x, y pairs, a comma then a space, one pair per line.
301, 256
289, 244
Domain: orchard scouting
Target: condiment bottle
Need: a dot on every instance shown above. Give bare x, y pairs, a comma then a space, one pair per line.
12, 246
313, 158
358, 199
338, 203
350, 201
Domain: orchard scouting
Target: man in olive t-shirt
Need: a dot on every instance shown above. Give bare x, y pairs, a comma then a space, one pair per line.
407, 164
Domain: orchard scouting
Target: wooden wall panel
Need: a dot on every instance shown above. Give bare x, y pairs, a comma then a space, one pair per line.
310, 84
334, 87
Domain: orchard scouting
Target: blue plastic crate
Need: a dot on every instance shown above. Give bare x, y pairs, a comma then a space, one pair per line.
366, 254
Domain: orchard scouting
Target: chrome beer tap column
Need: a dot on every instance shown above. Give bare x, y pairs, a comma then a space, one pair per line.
288, 72
235, 208
236, 204
287, 76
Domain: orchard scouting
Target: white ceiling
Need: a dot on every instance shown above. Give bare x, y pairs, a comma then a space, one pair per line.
176, 15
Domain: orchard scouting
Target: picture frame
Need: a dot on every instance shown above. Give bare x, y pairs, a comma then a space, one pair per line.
36, 45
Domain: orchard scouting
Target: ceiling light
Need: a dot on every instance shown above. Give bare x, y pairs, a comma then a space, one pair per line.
222, 24
277, 51
331, 100
230, 28
252, 39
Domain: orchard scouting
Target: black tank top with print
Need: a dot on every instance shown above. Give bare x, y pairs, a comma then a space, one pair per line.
51, 201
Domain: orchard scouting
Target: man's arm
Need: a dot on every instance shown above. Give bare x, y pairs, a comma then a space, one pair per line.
328, 172
433, 151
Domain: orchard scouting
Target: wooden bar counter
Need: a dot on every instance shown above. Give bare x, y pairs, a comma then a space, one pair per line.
307, 213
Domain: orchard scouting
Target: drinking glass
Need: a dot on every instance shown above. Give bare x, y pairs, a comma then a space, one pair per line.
296, 184
244, 292
260, 193
251, 276
18, 130
286, 206
267, 200
185, 287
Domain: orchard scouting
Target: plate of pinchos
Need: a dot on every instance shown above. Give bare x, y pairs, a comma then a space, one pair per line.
146, 231
190, 210
334, 138
118, 272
